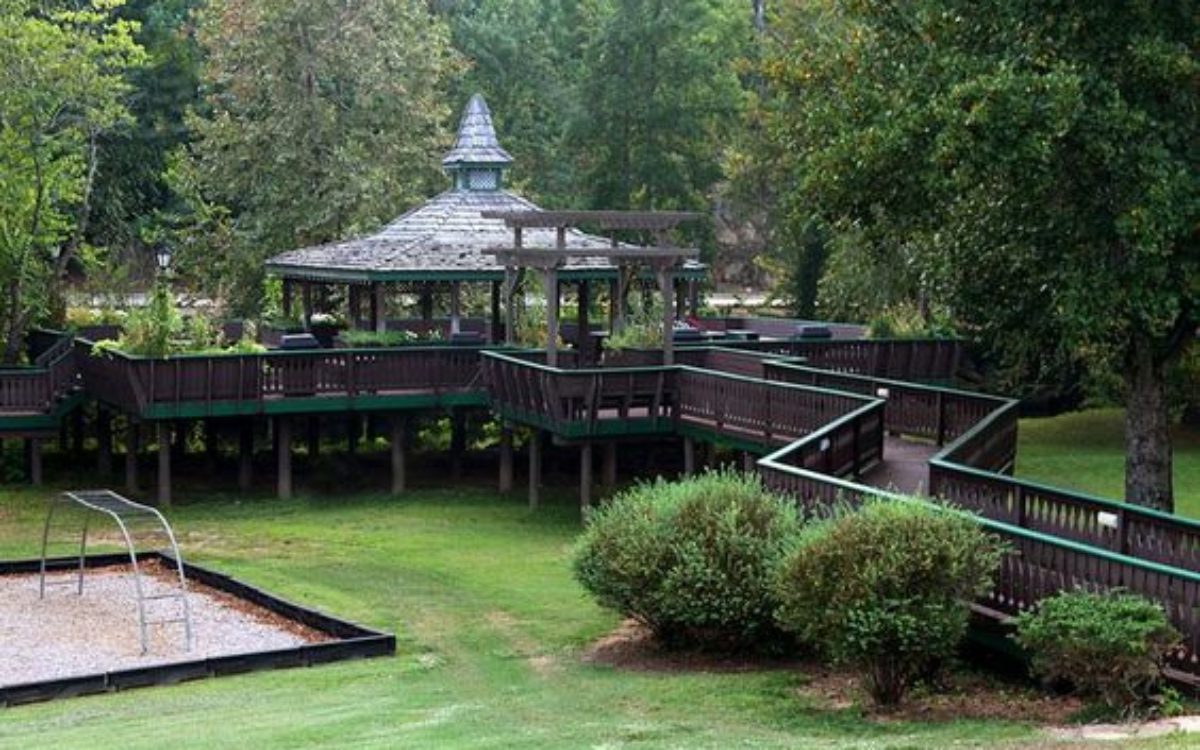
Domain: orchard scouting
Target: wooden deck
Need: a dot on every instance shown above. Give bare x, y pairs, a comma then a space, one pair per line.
904, 468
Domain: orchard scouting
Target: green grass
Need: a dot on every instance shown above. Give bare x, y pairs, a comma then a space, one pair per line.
1085, 451
490, 626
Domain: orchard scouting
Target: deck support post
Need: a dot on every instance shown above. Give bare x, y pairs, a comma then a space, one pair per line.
163, 438
666, 283
455, 307
399, 453
33, 447
458, 440
550, 282
585, 479
353, 432
689, 456
283, 451
132, 444
245, 455
77, 433
103, 441
748, 462
506, 457
608, 467
535, 468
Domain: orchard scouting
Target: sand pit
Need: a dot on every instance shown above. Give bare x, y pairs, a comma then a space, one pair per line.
66, 635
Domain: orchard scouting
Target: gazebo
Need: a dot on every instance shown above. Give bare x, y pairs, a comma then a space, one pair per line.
434, 249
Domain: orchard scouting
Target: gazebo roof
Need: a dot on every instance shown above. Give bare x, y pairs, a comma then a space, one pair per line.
444, 239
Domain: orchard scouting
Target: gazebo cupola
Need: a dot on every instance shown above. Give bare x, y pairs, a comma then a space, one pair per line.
477, 162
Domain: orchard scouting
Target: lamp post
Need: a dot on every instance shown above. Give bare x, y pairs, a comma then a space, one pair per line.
162, 257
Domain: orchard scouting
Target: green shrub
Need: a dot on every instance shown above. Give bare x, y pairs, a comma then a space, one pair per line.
692, 560
361, 339
886, 589
1109, 646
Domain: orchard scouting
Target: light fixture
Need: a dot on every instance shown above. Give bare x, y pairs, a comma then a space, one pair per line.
162, 256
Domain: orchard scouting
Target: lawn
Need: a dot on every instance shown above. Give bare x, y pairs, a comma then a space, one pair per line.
490, 625
1085, 451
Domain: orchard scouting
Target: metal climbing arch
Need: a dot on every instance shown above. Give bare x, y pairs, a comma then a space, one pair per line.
139, 525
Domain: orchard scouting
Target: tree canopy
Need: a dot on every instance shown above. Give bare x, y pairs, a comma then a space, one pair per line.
1033, 168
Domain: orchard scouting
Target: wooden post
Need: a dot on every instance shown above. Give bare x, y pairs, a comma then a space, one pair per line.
666, 283
535, 468
245, 455
693, 292
494, 333
33, 447
283, 451
680, 291
306, 292
287, 298
77, 433
458, 441
455, 307
506, 457
582, 338
550, 282
399, 453
378, 308
608, 469
689, 456
132, 444
427, 303
585, 478
211, 446
510, 313
748, 462
352, 306
103, 441
163, 437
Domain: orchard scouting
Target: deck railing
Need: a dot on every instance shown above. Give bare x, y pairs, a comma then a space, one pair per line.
248, 381
35, 389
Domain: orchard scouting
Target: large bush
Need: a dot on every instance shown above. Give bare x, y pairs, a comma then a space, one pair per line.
692, 560
886, 589
1109, 646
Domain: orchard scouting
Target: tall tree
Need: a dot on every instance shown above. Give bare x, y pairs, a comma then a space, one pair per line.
1034, 163
62, 89
322, 118
657, 102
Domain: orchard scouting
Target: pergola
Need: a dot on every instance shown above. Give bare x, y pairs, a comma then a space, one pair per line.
443, 244
662, 259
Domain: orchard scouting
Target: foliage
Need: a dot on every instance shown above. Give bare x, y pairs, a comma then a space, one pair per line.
321, 119
1109, 646
886, 589
904, 320
158, 329
357, 338
82, 317
1031, 168
61, 90
643, 328
690, 559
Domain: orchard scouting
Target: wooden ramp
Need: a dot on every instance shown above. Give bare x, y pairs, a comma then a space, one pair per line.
905, 466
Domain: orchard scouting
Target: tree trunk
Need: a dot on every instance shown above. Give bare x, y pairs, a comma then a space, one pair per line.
1147, 431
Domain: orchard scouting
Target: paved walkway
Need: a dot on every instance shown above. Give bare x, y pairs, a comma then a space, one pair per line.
905, 466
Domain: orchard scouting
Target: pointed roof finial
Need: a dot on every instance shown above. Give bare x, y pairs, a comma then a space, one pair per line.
476, 142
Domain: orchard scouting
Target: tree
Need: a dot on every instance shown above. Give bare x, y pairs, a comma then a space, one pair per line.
322, 119
658, 100
1031, 165
62, 89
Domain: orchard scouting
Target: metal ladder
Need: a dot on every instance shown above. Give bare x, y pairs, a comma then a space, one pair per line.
138, 523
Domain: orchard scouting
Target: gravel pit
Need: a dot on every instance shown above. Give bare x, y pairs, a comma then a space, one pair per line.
67, 635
